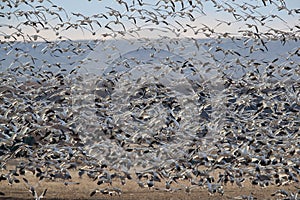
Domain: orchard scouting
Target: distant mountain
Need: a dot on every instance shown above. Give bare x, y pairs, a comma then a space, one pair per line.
231, 57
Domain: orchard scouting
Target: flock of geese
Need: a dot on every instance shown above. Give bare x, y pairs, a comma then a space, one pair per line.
112, 129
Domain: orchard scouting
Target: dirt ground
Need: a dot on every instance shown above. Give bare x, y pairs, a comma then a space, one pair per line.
81, 188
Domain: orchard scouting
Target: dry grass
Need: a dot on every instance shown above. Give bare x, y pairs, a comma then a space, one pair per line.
58, 190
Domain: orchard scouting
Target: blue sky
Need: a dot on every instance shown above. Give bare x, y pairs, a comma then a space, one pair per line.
89, 8
94, 7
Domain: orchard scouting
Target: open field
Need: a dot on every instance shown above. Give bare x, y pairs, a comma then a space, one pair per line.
81, 188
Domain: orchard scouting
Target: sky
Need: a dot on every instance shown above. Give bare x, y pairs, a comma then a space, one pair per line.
211, 18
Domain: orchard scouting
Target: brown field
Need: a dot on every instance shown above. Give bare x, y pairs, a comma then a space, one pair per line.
58, 190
